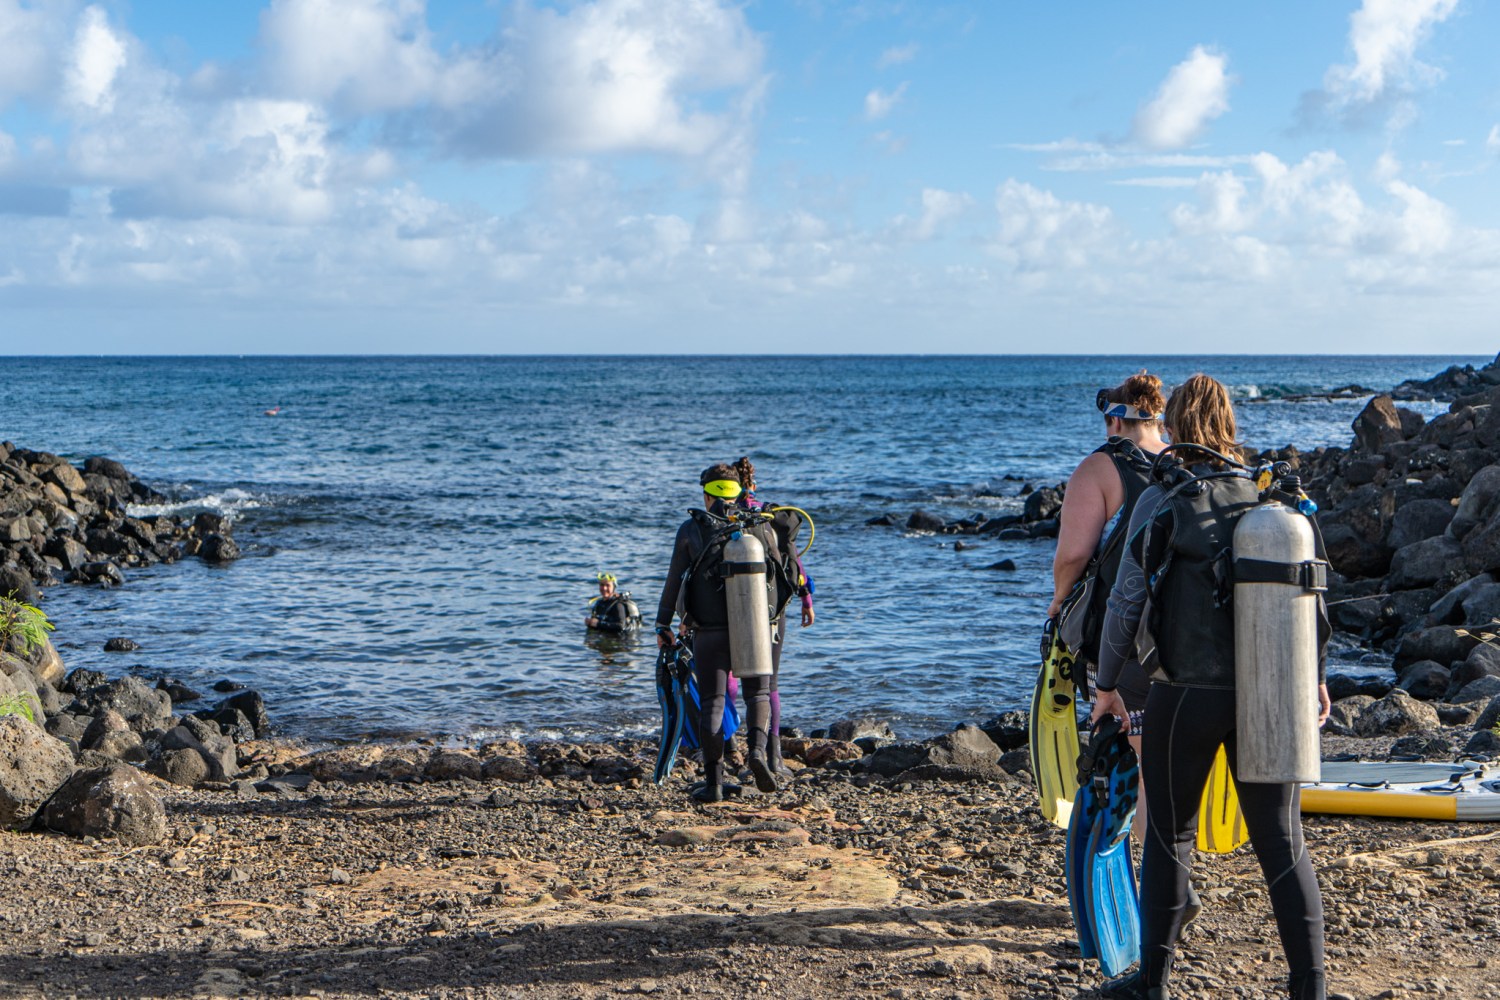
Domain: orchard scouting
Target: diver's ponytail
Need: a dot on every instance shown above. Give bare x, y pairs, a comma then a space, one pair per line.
746, 472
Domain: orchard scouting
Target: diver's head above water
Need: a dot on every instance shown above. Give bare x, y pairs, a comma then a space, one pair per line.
1133, 410
606, 585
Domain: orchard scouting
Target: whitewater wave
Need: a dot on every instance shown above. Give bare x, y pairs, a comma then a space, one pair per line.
230, 503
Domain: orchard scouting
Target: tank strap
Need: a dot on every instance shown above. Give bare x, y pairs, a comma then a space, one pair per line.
1311, 575
741, 568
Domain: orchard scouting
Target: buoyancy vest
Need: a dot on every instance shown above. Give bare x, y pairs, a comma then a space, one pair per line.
1186, 634
1081, 620
616, 614
701, 601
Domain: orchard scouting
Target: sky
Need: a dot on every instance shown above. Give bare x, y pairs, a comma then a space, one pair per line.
781, 176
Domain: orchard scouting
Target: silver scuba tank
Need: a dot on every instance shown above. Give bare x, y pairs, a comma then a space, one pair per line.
1277, 577
750, 633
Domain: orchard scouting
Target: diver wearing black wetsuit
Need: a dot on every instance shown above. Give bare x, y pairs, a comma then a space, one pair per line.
711, 661
1190, 711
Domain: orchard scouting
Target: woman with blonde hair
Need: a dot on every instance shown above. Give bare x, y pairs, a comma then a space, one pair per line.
1172, 570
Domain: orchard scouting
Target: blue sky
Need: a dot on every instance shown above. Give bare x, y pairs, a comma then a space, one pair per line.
672, 176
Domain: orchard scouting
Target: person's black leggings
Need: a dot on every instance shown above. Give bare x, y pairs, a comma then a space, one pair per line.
1184, 727
711, 667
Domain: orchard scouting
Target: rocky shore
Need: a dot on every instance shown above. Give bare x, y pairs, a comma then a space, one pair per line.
206, 859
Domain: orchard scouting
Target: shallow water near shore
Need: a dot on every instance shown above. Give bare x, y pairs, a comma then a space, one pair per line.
422, 534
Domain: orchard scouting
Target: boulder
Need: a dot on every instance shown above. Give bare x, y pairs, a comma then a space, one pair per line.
1351, 554
1426, 562
920, 520
115, 801
142, 706
1440, 643
1448, 609
882, 521
65, 727
964, 754
106, 722
65, 477
107, 467
1483, 743
1476, 502
180, 767
849, 730
46, 664
125, 745
1003, 566
1426, 680
208, 523
82, 680
451, 765
1345, 714
1481, 546
1396, 714
506, 767
1480, 689
252, 706
1009, 730
120, 644
33, 765
1481, 606
219, 549
1377, 426
1418, 521
1490, 716
204, 738
1043, 504
231, 722
177, 691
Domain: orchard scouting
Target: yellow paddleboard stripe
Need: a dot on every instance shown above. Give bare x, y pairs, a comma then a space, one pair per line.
1349, 802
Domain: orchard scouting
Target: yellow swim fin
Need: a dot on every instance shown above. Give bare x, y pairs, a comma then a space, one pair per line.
1221, 825
1054, 730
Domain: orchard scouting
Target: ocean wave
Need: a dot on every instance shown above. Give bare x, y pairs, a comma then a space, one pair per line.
230, 503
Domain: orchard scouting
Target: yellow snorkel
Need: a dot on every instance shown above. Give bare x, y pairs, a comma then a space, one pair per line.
812, 529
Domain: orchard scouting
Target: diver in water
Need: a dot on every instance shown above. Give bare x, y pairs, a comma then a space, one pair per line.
695, 590
612, 611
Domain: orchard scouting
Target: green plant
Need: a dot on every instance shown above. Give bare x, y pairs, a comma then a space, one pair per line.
17, 705
23, 620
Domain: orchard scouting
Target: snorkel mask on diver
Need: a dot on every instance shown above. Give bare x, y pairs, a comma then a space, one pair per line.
1122, 410
724, 489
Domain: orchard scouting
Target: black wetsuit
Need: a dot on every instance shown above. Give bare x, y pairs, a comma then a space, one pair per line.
711, 665
1185, 724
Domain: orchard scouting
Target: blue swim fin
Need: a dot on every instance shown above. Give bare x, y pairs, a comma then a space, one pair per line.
1114, 902
1110, 769
666, 751
1080, 826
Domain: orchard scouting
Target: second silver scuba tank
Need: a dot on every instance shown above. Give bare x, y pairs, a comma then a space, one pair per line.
1277, 579
750, 629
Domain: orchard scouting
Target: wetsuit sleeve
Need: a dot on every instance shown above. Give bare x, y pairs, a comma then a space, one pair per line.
681, 559
1122, 617
803, 590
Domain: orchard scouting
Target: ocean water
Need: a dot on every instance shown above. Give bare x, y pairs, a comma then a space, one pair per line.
422, 534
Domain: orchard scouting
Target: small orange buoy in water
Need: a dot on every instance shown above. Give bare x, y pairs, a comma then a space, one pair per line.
273, 411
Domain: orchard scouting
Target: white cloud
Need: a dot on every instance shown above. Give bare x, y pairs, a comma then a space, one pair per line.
1492, 141
1194, 93
1384, 36
610, 76
28, 37
1423, 227
98, 56
939, 207
1221, 207
879, 103
1156, 182
367, 55
1038, 231
897, 55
